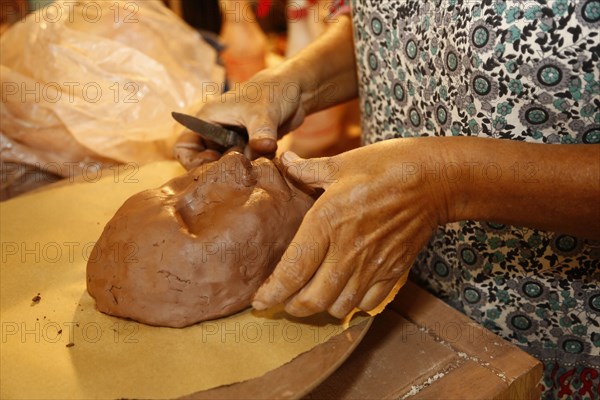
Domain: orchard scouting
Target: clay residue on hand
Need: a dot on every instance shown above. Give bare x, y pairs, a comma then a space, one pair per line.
198, 247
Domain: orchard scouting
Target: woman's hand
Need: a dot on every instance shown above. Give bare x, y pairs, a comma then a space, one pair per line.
275, 101
362, 235
382, 202
267, 106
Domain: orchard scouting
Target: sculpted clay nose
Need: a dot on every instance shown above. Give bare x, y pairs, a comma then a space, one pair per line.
189, 206
235, 166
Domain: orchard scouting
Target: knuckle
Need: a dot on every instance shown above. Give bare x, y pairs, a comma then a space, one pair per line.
291, 277
325, 215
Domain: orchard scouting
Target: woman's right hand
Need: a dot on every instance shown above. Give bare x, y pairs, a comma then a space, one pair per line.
276, 101
267, 105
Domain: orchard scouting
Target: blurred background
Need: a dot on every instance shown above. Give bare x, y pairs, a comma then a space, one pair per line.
237, 39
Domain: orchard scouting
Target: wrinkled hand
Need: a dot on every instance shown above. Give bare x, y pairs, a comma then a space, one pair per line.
268, 106
362, 235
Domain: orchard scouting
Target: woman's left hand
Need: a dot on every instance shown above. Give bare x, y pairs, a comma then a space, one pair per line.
382, 202
363, 233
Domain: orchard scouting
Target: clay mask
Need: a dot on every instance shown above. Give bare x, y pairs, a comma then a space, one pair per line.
198, 247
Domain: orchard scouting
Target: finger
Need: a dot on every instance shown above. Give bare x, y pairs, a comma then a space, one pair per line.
222, 111
187, 146
189, 140
322, 290
377, 294
348, 299
297, 266
253, 155
234, 149
203, 157
261, 126
313, 172
262, 134
249, 153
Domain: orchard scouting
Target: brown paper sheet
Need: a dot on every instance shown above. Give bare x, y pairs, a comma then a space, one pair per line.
381, 306
46, 238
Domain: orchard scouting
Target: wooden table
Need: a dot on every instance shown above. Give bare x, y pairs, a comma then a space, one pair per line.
422, 348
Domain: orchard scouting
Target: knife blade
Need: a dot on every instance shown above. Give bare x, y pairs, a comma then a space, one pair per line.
226, 137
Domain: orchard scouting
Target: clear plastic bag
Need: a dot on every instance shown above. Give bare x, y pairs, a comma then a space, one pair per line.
95, 82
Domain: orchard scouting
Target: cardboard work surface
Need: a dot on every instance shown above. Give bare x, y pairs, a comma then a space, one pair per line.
55, 344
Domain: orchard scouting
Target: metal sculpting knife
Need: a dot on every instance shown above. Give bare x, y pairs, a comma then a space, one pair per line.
226, 137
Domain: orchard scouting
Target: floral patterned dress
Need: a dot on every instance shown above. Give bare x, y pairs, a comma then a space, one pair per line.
502, 69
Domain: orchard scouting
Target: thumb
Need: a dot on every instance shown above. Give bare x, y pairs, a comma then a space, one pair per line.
262, 135
313, 172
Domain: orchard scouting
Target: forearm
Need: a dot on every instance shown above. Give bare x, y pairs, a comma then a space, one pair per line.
551, 187
326, 69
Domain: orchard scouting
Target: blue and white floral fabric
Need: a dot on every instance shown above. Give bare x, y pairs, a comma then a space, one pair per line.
501, 69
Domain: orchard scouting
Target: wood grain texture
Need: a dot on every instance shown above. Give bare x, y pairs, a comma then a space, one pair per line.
424, 349
387, 362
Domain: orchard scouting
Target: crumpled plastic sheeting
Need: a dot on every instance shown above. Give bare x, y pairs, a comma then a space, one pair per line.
95, 82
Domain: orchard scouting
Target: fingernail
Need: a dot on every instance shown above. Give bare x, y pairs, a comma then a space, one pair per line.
258, 305
295, 311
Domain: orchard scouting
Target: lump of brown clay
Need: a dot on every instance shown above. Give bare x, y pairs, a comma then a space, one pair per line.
198, 247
